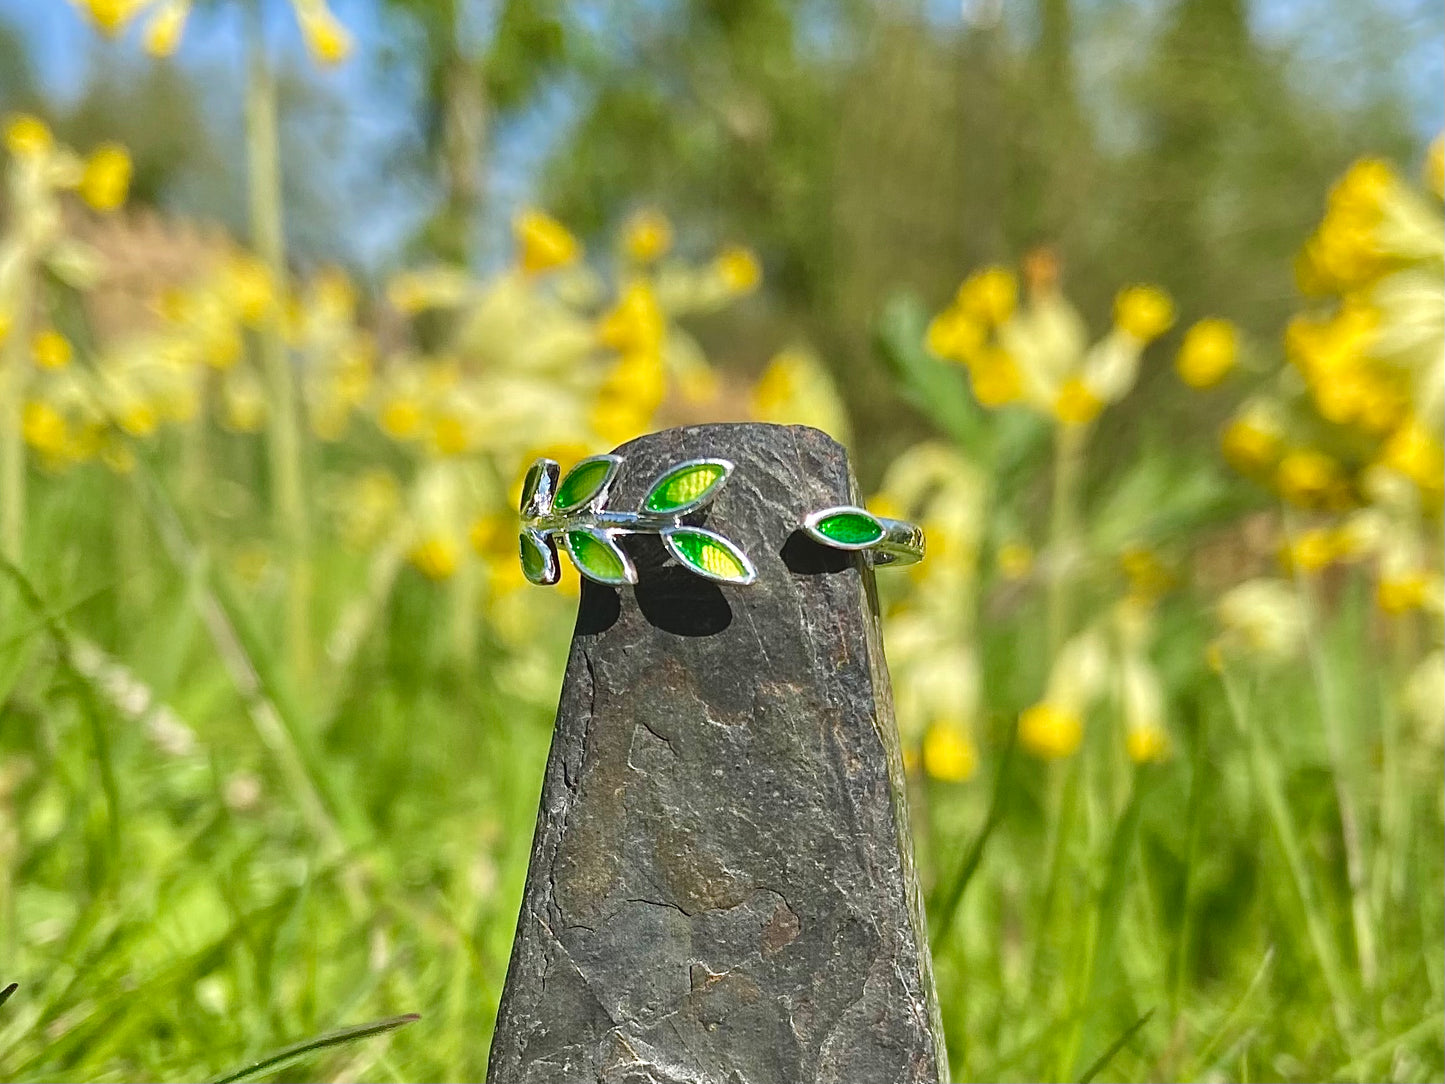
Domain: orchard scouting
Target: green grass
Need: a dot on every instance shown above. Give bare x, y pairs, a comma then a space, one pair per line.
311, 855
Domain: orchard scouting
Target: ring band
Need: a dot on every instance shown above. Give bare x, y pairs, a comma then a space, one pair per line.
885, 541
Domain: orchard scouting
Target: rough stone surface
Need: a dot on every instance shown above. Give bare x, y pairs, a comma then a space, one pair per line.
721, 885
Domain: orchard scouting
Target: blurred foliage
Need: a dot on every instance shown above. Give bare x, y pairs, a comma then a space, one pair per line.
275, 697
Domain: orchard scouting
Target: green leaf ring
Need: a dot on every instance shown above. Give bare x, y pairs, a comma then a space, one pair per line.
884, 541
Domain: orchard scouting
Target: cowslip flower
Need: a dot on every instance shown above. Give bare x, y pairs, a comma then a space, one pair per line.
543, 243
1208, 353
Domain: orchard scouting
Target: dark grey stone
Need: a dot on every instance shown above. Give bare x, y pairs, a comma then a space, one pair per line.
721, 884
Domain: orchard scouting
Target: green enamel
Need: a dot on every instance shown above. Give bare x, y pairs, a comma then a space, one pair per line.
538, 563
582, 483
529, 487
684, 486
595, 557
850, 528
709, 555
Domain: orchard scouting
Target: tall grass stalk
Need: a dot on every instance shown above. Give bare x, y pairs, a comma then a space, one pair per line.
283, 432
14, 362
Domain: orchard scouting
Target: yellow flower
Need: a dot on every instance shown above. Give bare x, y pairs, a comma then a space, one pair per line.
544, 242
1145, 312
637, 324
107, 177
1395, 594
1076, 404
1149, 577
1250, 443
1413, 451
1435, 166
163, 32
1050, 731
1310, 550
995, 378
51, 349
137, 418
1209, 351
1307, 477
948, 752
27, 136
5, 325
326, 39
1015, 560
248, 286
435, 557
43, 427
739, 269
647, 235
953, 335
989, 296
1147, 744
400, 418
112, 15
450, 435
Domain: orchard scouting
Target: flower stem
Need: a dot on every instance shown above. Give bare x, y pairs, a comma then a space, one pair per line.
284, 428
13, 363
1064, 529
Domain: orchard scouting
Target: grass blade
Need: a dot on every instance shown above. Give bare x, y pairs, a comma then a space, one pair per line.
1113, 1048
339, 1037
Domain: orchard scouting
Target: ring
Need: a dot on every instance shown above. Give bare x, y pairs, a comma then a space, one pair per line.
575, 511
885, 541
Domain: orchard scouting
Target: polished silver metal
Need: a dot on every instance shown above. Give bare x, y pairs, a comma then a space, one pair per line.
898, 542
543, 523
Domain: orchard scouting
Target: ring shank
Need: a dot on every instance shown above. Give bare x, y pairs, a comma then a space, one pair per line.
901, 544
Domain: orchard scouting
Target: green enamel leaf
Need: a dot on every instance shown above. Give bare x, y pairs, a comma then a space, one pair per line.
686, 486
709, 554
536, 473
584, 482
599, 558
850, 528
539, 558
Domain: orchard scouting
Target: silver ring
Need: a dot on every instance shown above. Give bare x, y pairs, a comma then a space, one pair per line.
575, 512
885, 541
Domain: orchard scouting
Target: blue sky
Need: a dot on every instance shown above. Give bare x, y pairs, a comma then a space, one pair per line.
375, 105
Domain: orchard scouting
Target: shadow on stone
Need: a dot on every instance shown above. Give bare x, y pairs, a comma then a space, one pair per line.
808, 557
598, 610
676, 601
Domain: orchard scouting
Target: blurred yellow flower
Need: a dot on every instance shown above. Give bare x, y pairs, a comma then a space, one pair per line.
1076, 404
1147, 744
43, 428
1145, 312
400, 418
1307, 477
111, 16
107, 177
988, 296
1435, 166
435, 557
1397, 594
51, 349
646, 236
544, 243
5, 324
637, 323
163, 32
948, 752
1208, 352
1412, 450
795, 389
137, 418
1310, 550
326, 39
1149, 577
954, 336
739, 269
27, 136
1050, 731
995, 377
1251, 442
243, 401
